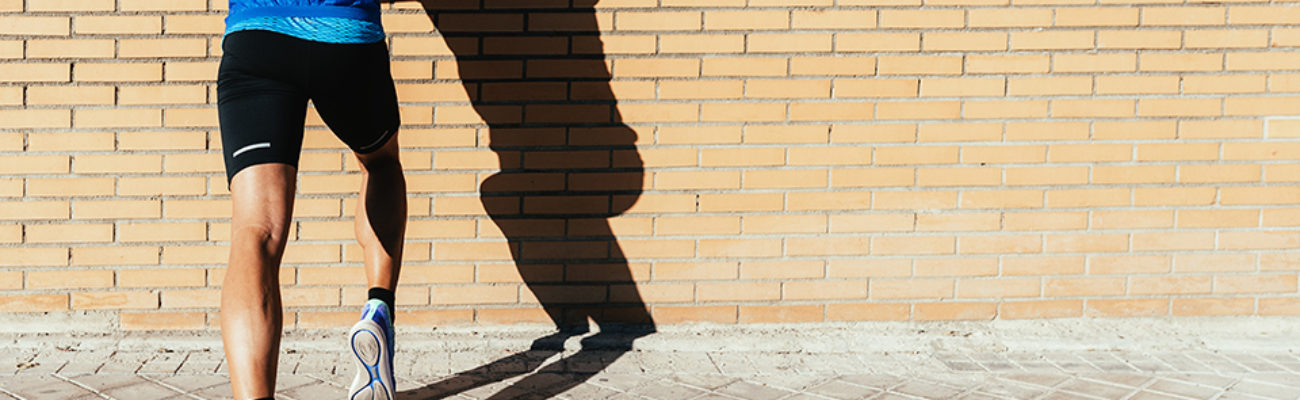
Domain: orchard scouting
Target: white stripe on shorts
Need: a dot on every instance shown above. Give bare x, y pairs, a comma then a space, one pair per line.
254, 146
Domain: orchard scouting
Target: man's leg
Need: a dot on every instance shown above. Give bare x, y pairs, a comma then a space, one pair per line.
262, 196
381, 215
380, 227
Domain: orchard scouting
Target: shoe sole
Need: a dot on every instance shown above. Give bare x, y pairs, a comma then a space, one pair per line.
371, 360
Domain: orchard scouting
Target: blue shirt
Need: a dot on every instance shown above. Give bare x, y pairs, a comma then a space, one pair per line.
329, 21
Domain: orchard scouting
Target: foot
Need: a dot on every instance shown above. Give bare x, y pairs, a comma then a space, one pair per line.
371, 340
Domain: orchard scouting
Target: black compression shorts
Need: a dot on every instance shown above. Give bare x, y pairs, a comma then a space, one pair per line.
266, 78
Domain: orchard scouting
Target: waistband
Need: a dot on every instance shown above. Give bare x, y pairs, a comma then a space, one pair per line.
365, 14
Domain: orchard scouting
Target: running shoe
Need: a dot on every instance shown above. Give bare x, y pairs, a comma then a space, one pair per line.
372, 345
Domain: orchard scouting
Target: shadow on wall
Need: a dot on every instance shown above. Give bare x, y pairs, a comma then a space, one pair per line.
535, 71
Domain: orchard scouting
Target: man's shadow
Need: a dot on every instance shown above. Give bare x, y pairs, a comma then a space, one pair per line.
536, 73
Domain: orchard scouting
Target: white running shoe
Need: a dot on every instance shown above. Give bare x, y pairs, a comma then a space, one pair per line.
372, 345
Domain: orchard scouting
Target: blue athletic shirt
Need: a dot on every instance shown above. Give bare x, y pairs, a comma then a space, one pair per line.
329, 21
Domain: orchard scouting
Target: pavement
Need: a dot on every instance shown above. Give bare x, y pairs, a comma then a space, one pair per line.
1176, 358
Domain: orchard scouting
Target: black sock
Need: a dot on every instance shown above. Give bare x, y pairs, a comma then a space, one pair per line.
383, 294
266, 398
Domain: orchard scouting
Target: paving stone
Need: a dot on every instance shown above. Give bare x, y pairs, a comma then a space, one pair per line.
1095, 388
103, 382
1241, 396
753, 391
513, 371
892, 396
1040, 379
195, 384
928, 390
79, 367
838, 389
44, 387
1284, 379
1263, 389
981, 396
1067, 396
144, 390
794, 383
1119, 379
588, 391
46, 363
769, 363
713, 396
666, 389
704, 382
1183, 389
205, 362
733, 364
1145, 395
808, 396
125, 363
163, 363
876, 381
1011, 389
314, 391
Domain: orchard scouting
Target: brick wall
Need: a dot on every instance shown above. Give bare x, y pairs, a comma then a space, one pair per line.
731, 161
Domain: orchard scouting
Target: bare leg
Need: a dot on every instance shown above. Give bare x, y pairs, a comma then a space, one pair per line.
251, 318
381, 215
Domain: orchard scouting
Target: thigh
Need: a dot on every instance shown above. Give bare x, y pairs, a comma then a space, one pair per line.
352, 88
261, 113
262, 200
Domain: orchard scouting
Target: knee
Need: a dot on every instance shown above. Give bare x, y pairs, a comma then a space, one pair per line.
385, 160
264, 240
382, 163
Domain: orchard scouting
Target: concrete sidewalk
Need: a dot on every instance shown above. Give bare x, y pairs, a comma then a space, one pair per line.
1214, 358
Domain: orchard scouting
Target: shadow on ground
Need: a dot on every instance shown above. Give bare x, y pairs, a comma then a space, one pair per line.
535, 72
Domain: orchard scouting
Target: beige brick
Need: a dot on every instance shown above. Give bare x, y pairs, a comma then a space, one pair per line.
69, 279
133, 300
1041, 309
69, 233
738, 291
117, 72
1050, 39
1183, 16
163, 321
831, 290
37, 26
918, 245
71, 48
215, 24
1127, 308
117, 25
956, 267
1085, 243
867, 312
745, 20
919, 65
34, 72
890, 18
1009, 18
964, 41
833, 19
716, 314
954, 311
877, 42
163, 5
783, 89
1212, 306
840, 66
1108, 16
1042, 265
912, 289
